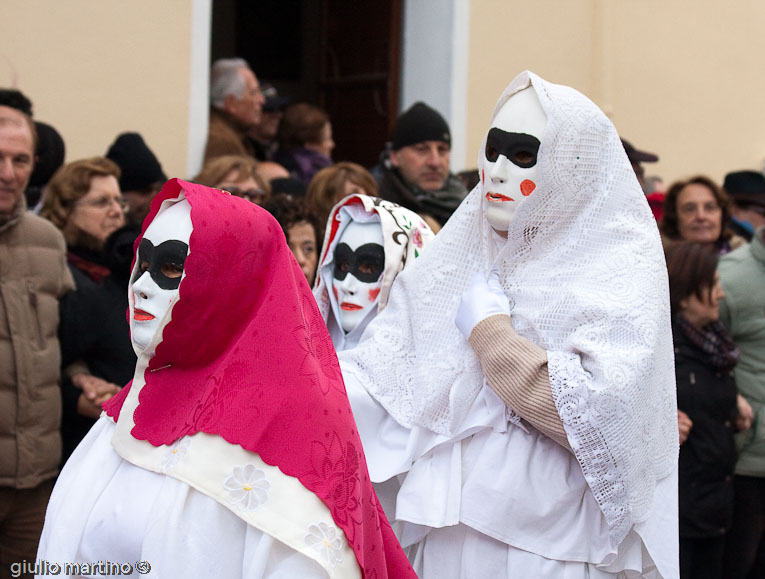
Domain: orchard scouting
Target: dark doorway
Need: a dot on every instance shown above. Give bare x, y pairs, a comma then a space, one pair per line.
342, 55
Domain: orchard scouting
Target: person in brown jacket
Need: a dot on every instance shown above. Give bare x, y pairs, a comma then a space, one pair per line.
236, 105
33, 275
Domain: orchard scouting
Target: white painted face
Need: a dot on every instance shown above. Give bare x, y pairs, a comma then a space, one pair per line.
509, 173
159, 267
359, 263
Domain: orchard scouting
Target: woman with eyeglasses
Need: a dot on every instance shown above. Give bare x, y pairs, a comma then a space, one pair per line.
237, 174
84, 201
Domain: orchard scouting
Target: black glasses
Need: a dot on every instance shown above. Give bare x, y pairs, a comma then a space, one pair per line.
105, 202
254, 195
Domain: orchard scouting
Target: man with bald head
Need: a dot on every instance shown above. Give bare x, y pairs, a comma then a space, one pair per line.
236, 105
33, 276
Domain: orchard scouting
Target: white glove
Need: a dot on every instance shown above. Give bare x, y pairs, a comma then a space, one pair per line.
484, 298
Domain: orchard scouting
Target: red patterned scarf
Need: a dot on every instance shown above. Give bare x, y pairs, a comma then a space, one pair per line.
713, 340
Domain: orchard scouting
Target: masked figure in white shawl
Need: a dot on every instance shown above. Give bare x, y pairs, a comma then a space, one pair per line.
519, 384
367, 243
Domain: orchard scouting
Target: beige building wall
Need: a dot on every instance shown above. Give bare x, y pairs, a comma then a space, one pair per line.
94, 69
681, 78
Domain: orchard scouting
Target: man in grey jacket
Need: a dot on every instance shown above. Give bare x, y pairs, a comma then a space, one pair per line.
33, 275
742, 275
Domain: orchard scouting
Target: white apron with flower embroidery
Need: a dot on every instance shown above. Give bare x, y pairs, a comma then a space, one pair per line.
144, 503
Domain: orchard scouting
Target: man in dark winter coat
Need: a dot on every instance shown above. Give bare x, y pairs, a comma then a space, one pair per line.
415, 170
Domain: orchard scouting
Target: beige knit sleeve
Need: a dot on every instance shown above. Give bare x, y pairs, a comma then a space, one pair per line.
516, 369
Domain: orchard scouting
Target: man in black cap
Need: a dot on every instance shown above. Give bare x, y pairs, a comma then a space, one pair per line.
141, 174
263, 134
415, 171
637, 157
747, 192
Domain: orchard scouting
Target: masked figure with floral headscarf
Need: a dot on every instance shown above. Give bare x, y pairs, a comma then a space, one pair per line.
368, 242
519, 384
233, 452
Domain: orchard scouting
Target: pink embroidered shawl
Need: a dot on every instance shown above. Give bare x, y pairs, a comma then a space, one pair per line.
250, 360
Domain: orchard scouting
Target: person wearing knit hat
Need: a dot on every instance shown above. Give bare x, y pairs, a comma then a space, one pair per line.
747, 194
142, 175
418, 124
49, 154
415, 169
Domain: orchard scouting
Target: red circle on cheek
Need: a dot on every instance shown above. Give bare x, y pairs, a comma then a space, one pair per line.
483, 178
373, 293
334, 291
527, 186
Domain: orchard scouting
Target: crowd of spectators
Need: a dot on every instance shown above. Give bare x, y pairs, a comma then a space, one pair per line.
65, 343
714, 239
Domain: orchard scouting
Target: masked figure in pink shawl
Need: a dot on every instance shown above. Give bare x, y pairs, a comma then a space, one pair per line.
233, 452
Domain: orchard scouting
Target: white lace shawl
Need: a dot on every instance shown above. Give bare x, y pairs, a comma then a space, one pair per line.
584, 272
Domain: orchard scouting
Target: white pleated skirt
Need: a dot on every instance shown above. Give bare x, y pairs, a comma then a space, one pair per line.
105, 509
501, 500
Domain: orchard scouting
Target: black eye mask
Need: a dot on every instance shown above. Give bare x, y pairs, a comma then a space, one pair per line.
366, 263
167, 256
519, 148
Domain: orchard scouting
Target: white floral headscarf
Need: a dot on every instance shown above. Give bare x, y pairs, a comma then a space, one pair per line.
405, 235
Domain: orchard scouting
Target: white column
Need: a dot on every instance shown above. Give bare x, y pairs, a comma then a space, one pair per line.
435, 62
199, 85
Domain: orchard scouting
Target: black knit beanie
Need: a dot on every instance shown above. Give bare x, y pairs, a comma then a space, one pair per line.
50, 154
140, 168
420, 123
15, 99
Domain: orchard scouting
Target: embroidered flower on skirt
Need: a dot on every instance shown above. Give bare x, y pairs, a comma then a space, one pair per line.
175, 454
247, 487
327, 541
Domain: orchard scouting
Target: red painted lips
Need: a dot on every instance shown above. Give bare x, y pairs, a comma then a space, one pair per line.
142, 316
498, 197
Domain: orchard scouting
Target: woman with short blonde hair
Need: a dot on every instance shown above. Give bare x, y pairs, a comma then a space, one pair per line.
237, 174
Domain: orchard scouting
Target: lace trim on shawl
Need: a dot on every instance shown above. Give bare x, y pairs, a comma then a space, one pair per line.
584, 273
